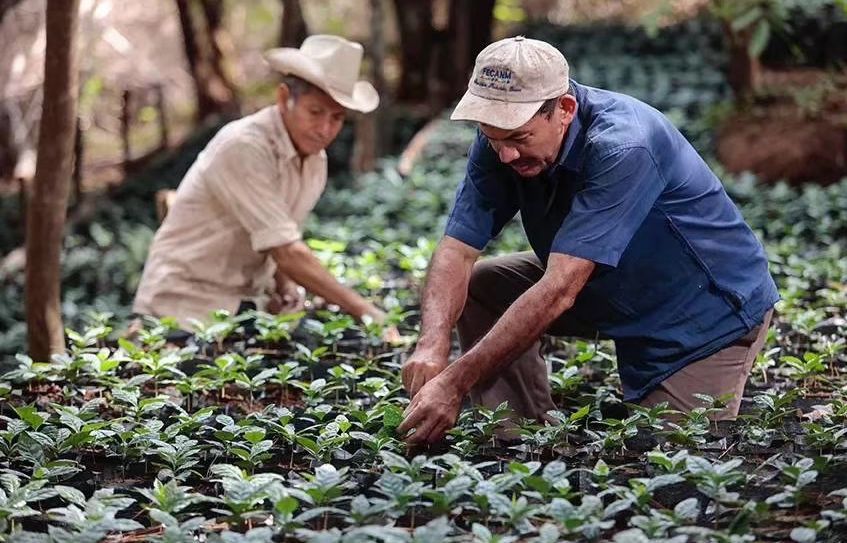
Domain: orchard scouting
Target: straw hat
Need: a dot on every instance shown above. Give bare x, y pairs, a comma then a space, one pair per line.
332, 64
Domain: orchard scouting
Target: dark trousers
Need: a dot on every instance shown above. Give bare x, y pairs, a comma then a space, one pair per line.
497, 282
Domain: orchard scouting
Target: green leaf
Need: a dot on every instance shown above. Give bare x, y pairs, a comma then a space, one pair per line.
30, 415
308, 444
580, 413
633, 535
688, 509
747, 19
287, 505
804, 535
759, 40
392, 416
70, 495
255, 435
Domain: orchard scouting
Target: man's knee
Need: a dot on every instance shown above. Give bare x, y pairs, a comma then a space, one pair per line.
483, 276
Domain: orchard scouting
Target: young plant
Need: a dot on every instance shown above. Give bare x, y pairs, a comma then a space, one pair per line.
277, 328
244, 496
93, 521
254, 383
255, 451
29, 372
178, 458
810, 369
312, 357
15, 498
797, 476
715, 480
161, 367
174, 531
170, 498
221, 325
286, 373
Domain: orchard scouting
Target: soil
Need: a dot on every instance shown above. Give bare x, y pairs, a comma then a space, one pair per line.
795, 129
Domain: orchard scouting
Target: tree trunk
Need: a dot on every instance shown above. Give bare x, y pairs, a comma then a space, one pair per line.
371, 128
414, 21
8, 146
216, 94
49, 198
468, 32
293, 30
744, 72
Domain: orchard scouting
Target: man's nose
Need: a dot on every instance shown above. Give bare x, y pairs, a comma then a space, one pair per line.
508, 154
325, 128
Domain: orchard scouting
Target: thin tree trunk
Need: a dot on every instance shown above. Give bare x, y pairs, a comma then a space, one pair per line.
414, 20
293, 30
220, 43
48, 201
8, 146
215, 93
470, 32
369, 127
744, 70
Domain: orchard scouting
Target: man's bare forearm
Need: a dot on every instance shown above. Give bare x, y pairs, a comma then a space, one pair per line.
521, 325
297, 261
444, 295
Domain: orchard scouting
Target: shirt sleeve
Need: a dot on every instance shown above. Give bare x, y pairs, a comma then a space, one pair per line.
242, 176
620, 189
485, 200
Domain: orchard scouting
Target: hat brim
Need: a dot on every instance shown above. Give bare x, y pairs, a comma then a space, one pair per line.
496, 113
291, 61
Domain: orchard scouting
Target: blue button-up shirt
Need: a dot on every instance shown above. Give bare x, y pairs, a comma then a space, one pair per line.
679, 273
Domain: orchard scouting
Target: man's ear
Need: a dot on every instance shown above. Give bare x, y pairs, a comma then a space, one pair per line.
283, 93
568, 105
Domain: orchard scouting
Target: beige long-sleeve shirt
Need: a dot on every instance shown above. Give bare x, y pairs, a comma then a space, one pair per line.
248, 191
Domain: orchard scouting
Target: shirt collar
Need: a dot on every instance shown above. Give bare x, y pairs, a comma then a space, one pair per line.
570, 156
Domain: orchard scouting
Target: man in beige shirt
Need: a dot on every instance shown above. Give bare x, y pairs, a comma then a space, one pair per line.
235, 226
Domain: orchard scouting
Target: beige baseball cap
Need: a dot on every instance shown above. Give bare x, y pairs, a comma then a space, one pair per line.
511, 79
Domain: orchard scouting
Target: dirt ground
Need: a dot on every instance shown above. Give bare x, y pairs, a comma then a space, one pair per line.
795, 130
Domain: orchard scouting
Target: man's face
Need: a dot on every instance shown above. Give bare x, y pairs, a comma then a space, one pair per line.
313, 119
532, 148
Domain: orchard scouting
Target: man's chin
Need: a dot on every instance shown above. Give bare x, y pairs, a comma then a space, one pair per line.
528, 171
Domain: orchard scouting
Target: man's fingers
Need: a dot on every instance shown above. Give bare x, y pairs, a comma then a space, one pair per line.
413, 416
406, 376
418, 381
438, 432
422, 432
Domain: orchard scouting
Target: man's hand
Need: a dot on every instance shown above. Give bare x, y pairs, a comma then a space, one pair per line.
288, 297
390, 334
420, 369
432, 412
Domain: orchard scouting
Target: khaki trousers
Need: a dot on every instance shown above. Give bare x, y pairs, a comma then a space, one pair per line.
497, 282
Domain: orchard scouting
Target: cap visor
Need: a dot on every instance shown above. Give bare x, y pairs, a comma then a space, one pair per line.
496, 113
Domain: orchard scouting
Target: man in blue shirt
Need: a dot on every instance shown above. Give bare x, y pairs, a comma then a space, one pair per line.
633, 239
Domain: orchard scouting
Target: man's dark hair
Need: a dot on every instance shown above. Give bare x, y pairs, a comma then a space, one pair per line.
549, 106
297, 86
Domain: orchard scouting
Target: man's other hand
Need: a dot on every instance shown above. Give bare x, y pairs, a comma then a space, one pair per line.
432, 412
420, 369
288, 298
